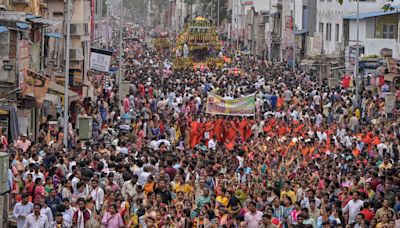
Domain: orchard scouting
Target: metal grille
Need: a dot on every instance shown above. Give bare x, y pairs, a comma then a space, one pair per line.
4, 45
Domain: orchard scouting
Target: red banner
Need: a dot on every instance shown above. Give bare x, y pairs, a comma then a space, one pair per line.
92, 4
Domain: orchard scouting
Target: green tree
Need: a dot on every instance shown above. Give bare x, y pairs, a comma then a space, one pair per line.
387, 6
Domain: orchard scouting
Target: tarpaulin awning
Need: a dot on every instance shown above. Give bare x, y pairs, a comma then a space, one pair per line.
73, 96
45, 21
49, 97
54, 35
3, 29
21, 25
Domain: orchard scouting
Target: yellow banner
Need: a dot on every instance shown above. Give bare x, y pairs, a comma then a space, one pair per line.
243, 106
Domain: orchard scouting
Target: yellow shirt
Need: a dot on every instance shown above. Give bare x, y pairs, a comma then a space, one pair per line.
185, 188
222, 200
289, 193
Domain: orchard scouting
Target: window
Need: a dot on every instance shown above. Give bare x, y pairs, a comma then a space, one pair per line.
328, 31
321, 28
389, 31
58, 14
337, 32
4, 45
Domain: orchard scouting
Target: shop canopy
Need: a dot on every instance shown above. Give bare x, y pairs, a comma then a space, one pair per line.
3, 29
54, 35
59, 89
44, 21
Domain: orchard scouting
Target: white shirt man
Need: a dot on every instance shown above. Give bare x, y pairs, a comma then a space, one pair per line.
129, 189
143, 176
153, 144
212, 144
166, 143
45, 210
381, 147
97, 195
74, 182
353, 207
36, 219
22, 210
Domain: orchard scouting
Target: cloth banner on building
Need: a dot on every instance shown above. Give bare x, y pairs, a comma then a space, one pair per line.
390, 101
244, 106
100, 60
35, 83
23, 58
392, 65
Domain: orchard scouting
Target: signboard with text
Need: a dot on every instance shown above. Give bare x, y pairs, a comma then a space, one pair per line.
353, 53
100, 60
243, 106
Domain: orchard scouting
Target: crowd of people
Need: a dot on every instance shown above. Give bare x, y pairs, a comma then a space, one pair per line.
310, 156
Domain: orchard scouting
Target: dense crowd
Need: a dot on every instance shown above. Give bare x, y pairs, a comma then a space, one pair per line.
310, 156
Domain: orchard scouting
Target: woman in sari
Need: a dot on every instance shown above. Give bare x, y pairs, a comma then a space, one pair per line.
38, 191
66, 192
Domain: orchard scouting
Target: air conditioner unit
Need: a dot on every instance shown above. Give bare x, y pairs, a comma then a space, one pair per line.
76, 54
21, 1
79, 29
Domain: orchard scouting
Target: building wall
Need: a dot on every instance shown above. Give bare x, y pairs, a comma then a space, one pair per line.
362, 29
332, 12
57, 11
260, 5
371, 35
380, 21
33, 7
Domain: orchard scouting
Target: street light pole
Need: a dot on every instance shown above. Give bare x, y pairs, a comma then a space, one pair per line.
237, 26
66, 82
218, 15
120, 49
294, 36
357, 55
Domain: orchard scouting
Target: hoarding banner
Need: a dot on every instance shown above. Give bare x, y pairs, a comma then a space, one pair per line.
392, 65
100, 60
244, 106
390, 101
35, 83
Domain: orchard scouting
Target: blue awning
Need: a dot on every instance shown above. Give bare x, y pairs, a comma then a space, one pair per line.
54, 35
45, 21
378, 13
3, 29
273, 14
300, 32
22, 25
31, 17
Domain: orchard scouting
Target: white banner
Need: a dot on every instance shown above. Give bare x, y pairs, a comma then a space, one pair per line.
100, 62
390, 101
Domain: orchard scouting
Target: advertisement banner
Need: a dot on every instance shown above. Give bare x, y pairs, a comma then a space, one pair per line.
392, 65
100, 60
23, 58
244, 106
390, 101
353, 53
36, 84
